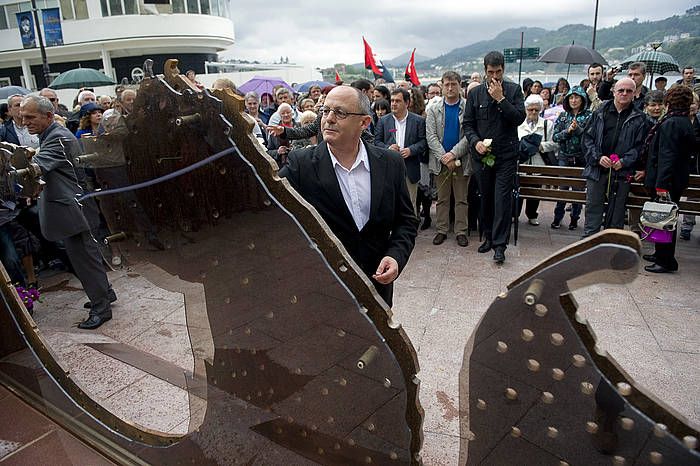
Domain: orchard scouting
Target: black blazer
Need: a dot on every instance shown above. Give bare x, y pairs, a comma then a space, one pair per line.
668, 164
414, 139
392, 226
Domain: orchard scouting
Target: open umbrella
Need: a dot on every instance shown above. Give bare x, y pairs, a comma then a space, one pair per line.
656, 62
572, 55
263, 84
7, 91
81, 77
304, 87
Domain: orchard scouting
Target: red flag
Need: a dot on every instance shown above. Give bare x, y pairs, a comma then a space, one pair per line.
411, 74
338, 79
370, 64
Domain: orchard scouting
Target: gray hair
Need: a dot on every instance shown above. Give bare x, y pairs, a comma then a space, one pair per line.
534, 99
363, 102
82, 95
43, 104
638, 65
252, 95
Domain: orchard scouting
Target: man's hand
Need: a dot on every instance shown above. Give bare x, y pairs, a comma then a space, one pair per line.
282, 150
605, 162
481, 148
275, 130
610, 74
639, 175
387, 271
496, 90
394, 147
451, 165
573, 126
617, 165
447, 157
405, 152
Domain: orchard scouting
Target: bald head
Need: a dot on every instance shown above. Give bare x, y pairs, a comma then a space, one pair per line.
624, 92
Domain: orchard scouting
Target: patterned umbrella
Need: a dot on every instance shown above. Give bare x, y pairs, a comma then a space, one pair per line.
656, 62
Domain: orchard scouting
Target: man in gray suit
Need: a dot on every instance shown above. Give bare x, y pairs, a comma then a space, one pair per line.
60, 215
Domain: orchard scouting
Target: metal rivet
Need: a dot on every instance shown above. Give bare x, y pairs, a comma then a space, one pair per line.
527, 334
393, 455
690, 442
342, 382
340, 332
343, 268
245, 280
627, 423
501, 347
534, 292
480, 404
660, 430
541, 310
503, 295
324, 391
515, 432
227, 300
533, 365
511, 394
624, 388
267, 203
351, 442
656, 458
387, 382
251, 246
619, 460
370, 427
270, 315
547, 398
557, 374
587, 388
293, 299
591, 427
578, 360
330, 420
552, 432
557, 339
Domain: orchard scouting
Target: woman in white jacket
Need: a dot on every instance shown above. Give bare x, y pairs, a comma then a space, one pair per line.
535, 124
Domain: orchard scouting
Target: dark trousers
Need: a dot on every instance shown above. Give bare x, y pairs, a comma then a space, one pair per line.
531, 206
496, 186
666, 252
9, 257
84, 254
596, 210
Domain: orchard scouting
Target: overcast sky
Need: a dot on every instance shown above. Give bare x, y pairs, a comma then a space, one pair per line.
321, 33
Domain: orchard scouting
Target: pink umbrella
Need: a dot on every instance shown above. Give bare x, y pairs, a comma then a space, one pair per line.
263, 84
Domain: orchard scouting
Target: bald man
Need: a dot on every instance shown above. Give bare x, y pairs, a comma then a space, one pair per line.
612, 142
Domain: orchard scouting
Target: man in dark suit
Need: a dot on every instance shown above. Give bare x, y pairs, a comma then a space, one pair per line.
359, 190
494, 111
404, 132
60, 215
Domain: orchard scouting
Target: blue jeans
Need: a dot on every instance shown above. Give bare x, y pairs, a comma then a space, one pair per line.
10, 258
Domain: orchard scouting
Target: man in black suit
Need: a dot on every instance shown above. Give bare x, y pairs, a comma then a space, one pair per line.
494, 111
404, 132
359, 190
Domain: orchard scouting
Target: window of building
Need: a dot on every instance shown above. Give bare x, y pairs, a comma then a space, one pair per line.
104, 8
11, 18
67, 9
131, 7
214, 7
204, 6
115, 8
178, 6
193, 7
3, 18
223, 8
80, 9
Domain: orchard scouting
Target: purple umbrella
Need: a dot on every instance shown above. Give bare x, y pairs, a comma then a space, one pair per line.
262, 85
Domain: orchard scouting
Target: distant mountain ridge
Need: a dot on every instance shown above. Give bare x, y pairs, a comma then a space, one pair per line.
626, 35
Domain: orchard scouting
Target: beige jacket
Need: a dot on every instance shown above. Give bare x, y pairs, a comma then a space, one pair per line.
434, 131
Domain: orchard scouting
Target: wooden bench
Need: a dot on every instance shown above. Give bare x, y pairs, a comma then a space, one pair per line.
543, 183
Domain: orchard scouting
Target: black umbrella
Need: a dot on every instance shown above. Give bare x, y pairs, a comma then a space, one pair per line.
572, 55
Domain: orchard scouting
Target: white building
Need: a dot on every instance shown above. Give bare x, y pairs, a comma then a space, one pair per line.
116, 36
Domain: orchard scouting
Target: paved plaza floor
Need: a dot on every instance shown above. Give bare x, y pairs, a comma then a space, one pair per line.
651, 327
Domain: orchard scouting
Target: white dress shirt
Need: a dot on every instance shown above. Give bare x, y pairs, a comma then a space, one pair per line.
356, 185
400, 130
26, 139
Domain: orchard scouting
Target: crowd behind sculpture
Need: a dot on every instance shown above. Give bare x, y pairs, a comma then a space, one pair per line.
461, 139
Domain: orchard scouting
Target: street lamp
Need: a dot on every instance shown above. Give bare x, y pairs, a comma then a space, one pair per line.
595, 24
44, 61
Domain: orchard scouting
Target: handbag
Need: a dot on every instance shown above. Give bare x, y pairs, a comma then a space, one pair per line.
658, 221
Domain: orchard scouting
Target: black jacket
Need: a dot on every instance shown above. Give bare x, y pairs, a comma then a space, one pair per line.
484, 118
668, 164
8, 133
629, 144
414, 139
392, 226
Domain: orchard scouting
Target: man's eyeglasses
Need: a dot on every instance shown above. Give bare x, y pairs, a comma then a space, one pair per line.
339, 113
53, 99
624, 91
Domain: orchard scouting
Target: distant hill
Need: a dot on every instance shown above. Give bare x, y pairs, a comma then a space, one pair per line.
615, 43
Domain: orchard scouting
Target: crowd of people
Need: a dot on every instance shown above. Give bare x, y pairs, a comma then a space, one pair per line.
458, 140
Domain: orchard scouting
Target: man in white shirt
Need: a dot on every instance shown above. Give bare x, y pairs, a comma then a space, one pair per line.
358, 189
12, 130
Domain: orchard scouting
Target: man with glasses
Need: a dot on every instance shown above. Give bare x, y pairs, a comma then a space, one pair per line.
612, 142
53, 98
359, 189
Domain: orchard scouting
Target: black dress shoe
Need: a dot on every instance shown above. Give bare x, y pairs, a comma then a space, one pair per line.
426, 223
499, 255
656, 268
94, 321
485, 246
462, 240
649, 257
439, 238
110, 294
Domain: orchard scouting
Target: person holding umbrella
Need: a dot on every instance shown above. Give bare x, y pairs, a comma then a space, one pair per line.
668, 166
612, 142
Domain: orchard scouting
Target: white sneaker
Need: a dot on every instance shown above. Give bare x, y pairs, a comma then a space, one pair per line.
533, 222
